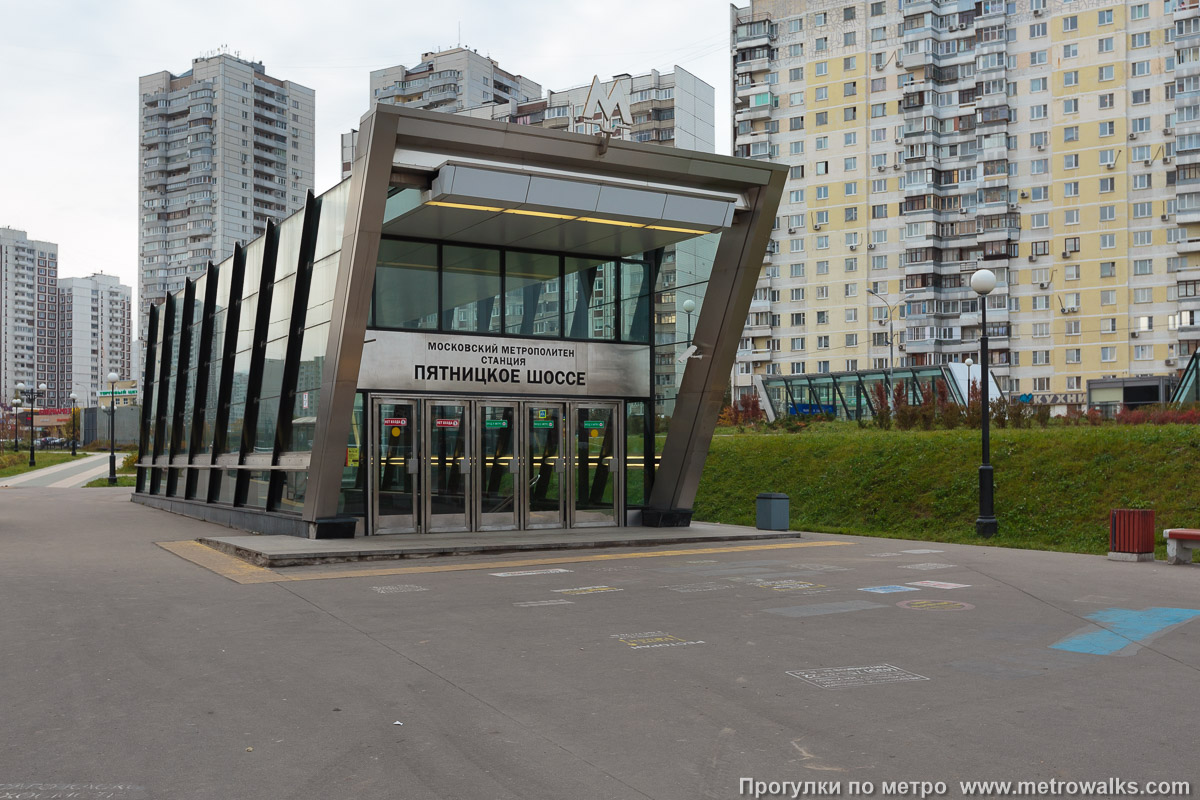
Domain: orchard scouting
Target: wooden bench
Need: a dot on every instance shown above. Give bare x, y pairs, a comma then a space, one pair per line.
1180, 543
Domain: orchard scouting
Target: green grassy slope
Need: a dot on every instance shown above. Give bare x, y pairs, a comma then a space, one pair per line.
1054, 487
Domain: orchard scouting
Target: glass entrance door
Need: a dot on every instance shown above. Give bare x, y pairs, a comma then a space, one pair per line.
395, 465
447, 465
595, 484
546, 460
499, 467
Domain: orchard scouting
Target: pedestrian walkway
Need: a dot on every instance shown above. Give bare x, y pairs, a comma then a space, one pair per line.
68, 475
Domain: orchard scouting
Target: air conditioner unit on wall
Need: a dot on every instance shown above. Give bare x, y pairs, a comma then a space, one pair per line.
1044, 285
1170, 362
1037, 12
1134, 334
871, 246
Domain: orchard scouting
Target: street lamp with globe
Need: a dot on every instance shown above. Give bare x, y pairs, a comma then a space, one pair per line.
112, 428
689, 306
983, 281
74, 424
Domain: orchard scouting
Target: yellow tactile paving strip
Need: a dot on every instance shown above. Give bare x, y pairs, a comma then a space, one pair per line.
240, 572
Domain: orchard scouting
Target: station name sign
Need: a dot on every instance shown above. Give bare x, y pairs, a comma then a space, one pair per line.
438, 362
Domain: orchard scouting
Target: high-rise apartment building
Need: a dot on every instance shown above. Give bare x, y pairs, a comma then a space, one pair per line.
446, 80
29, 332
96, 337
223, 149
1036, 138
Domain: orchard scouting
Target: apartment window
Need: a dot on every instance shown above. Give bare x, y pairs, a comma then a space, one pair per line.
820, 19
1039, 221
1108, 297
795, 25
878, 34
822, 118
1108, 269
1071, 216
1071, 189
1038, 112
797, 343
1037, 58
1070, 51
1105, 73
878, 110
1107, 185
1106, 101
1071, 272
1037, 30
850, 164
1140, 11
1108, 241
1141, 68
821, 44
1073, 327
1107, 128
1071, 105
1143, 238
1073, 383
1108, 354
822, 93
1070, 23
849, 139
1143, 295
1139, 40
1041, 330
1105, 45
822, 342
849, 38
1142, 210
878, 9
1104, 17
822, 68
1041, 302
851, 213
1039, 166
823, 367
1037, 193
1073, 355
797, 271
1139, 97
1041, 358
1071, 78
823, 242
1070, 161
1108, 325
1038, 84
822, 267
1143, 266
849, 114
1143, 352
1108, 157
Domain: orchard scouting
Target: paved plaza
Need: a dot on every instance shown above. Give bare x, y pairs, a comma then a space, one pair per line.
140, 664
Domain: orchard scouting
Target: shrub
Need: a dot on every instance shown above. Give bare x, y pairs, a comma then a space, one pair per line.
1094, 417
883, 411
974, 414
1074, 416
999, 408
949, 414
1042, 415
129, 463
906, 414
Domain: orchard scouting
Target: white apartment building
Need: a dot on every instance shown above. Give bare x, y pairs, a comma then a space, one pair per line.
223, 149
96, 335
1045, 140
29, 333
446, 80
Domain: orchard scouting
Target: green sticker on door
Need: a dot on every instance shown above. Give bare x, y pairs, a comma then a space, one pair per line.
543, 423
495, 423
593, 423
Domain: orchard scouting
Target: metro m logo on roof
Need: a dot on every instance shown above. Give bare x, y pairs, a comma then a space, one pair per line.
613, 107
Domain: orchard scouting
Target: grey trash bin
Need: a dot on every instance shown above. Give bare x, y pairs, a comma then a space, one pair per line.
772, 512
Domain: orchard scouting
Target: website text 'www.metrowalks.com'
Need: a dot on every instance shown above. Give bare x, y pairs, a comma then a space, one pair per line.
1107, 788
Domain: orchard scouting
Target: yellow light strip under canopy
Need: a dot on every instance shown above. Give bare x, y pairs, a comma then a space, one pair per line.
552, 215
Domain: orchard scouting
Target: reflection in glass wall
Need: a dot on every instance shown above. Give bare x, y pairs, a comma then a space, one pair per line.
194, 326
353, 498
531, 294
247, 317
222, 314
278, 326
635, 301
678, 300
406, 286
590, 297
174, 305
470, 289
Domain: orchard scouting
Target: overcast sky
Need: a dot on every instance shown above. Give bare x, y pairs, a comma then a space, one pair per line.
69, 82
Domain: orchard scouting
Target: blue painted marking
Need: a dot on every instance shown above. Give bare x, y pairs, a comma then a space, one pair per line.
889, 589
1123, 627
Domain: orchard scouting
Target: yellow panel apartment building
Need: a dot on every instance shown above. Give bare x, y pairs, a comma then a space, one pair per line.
1051, 142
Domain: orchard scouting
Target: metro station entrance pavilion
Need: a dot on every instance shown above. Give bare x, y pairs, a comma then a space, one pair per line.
487, 327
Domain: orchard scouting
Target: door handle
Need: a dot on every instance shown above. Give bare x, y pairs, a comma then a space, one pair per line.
414, 466
560, 465
514, 466
464, 466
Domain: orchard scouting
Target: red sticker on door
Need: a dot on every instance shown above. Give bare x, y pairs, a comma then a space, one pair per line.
447, 423
401, 421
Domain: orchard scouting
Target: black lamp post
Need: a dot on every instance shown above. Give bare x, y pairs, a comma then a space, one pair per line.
689, 306
112, 428
16, 415
74, 425
983, 281
32, 395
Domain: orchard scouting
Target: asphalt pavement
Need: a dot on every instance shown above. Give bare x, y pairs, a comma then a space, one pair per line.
708, 671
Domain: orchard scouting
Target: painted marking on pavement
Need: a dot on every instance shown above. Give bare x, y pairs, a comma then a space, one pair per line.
853, 677
818, 609
1122, 628
888, 589
922, 551
940, 584
648, 639
399, 588
935, 605
709, 586
224, 565
528, 572
930, 565
882, 555
263, 575
588, 590
535, 603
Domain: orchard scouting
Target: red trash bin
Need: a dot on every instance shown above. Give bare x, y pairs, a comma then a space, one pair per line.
1131, 534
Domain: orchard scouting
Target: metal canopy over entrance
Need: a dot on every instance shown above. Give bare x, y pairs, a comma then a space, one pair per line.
447, 464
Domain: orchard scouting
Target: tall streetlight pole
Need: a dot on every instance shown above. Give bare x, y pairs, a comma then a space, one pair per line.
112, 428
16, 403
74, 424
983, 281
32, 395
688, 307
891, 344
